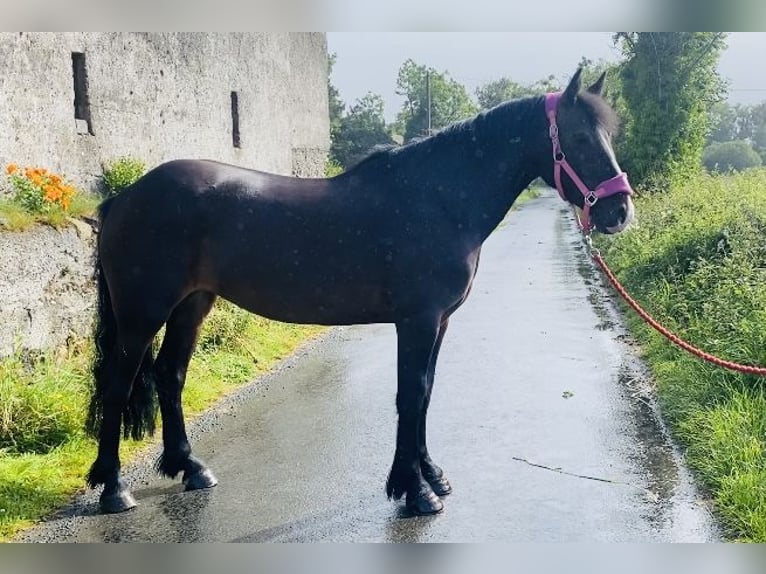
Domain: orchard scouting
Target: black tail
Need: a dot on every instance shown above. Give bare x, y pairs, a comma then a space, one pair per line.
140, 414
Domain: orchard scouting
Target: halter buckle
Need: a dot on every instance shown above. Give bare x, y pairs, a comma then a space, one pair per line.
591, 199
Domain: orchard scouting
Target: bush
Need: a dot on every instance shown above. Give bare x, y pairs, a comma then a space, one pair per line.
121, 173
736, 155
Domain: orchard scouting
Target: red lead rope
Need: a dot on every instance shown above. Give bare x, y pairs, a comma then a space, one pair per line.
747, 369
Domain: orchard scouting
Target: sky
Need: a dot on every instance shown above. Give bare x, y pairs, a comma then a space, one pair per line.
370, 61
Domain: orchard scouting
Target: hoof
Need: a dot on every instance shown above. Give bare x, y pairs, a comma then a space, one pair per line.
441, 486
424, 503
118, 502
201, 479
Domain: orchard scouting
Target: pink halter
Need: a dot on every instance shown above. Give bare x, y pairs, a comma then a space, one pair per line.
617, 184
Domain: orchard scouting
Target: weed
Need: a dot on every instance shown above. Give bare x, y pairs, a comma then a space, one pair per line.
121, 173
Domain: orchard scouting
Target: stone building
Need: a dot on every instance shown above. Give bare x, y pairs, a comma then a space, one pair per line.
72, 101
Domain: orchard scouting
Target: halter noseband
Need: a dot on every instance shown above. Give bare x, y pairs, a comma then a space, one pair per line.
617, 184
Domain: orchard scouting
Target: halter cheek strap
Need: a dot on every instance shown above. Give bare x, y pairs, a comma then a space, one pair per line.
617, 184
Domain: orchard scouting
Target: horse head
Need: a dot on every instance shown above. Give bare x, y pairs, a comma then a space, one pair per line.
582, 164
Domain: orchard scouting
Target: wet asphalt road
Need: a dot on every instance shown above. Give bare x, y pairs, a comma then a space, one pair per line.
534, 370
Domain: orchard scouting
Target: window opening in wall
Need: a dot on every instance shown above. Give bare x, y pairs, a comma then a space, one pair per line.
235, 120
81, 100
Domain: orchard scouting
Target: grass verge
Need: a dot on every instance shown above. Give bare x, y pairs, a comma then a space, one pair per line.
696, 260
13, 217
44, 453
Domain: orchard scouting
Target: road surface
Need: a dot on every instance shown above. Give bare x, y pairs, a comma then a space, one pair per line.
541, 418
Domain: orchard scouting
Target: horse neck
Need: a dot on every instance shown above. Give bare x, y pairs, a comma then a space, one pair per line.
479, 168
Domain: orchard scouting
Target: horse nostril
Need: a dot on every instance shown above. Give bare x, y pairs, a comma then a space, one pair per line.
622, 215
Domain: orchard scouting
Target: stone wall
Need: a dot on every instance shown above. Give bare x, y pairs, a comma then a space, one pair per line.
154, 97
161, 96
47, 292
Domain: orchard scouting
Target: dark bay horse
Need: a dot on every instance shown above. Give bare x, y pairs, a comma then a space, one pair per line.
395, 239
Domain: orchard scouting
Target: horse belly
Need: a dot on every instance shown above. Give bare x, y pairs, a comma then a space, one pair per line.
314, 303
301, 285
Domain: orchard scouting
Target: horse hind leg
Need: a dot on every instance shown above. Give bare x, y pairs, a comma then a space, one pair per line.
127, 364
181, 334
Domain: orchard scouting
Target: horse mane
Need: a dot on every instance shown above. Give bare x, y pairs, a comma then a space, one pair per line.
505, 116
372, 154
455, 131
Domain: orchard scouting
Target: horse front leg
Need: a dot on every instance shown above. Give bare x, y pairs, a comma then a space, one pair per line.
416, 339
431, 471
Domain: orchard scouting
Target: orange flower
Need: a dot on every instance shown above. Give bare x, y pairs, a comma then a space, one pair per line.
11, 169
52, 193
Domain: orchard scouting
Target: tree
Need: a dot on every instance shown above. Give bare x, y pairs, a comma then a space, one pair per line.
496, 92
450, 101
759, 141
669, 83
548, 84
337, 106
752, 124
738, 122
358, 131
730, 156
352, 134
724, 123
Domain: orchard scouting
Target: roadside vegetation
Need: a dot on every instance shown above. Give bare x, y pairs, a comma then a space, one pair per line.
122, 172
44, 452
39, 196
696, 260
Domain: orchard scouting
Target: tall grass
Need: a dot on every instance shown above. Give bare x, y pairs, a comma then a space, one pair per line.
44, 453
697, 261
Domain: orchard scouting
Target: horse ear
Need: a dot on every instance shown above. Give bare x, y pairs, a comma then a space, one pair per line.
573, 88
598, 86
